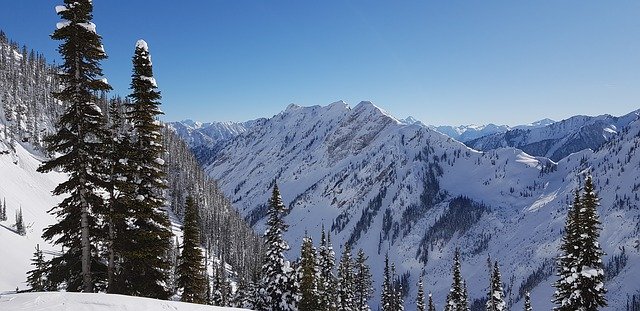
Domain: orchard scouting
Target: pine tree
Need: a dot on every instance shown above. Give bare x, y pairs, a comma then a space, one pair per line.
580, 268
36, 278
309, 298
346, 286
3, 210
278, 287
78, 141
190, 269
590, 282
20, 229
495, 298
420, 297
397, 303
432, 307
327, 281
456, 299
145, 265
527, 302
363, 282
386, 296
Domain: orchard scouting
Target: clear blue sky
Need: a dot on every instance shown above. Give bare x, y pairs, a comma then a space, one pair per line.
444, 62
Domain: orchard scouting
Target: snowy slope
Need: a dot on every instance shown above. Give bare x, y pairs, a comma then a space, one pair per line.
196, 133
23, 187
403, 189
58, 301
559, 139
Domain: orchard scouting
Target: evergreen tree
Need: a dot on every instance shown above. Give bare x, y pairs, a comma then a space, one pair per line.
145, 264
420, 297
590, 282
278, 286
386, 296
580, 268
36, 278
309, 298
20, 229
346, 286
432, 307
78, 141
327, 281
3, 210
495, 298
456, 299
363, 282
190, 269
396, 291
527, 302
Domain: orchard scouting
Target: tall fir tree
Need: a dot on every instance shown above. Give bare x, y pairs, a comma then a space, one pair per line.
527, 302
456, 299
432, 307
580, 267
495, 297
278, 289
3, 210
309, 297
396, 291
145, 264
590, 282
78, 142
327, 281
190, 268
386, 295
36, 278
363, 282
420, 297
346, 286
20, 228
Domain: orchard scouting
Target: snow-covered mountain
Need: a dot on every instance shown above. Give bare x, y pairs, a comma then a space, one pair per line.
405, 190
196, 133
557, 140
466, 133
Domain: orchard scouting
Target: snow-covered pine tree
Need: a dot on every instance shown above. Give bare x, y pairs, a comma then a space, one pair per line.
386, 295
590, 280
420, 297
190, 268
567, 261
495, 298
432, 307
36, 278
527, 302
20, 228
78, 142
309, 298
363, 282
3, 210
396, 291
327, 281
217, 290
146, 266
278, 289
456, 299
346, 286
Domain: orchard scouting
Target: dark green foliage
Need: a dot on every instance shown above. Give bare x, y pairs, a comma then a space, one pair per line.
420, 297
145, 265
580, 267
20, 229
3, 210
78, 141
346, 286
391, 296
495, 297
527, 302
432, 307
457, 297
363, 283
190, 269
309, 298
327, 281
279, 288
36, 278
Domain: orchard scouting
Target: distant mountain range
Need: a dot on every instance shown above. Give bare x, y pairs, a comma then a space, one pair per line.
399, 187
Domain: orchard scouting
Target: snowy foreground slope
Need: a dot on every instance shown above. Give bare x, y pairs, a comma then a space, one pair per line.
22, 187
403, 189
61, 301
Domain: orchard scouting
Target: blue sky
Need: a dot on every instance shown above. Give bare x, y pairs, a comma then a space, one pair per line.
443, 62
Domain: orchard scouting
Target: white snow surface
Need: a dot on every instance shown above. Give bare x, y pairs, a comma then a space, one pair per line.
62, 301
141, 44
331, 162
